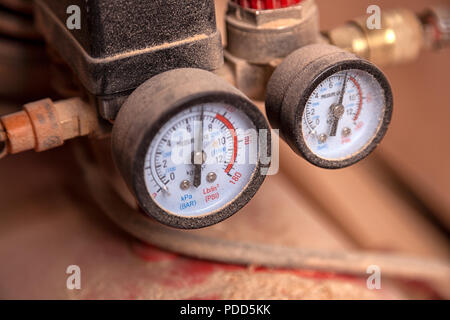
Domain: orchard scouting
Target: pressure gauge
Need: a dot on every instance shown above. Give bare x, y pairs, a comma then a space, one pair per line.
332, 107
187, 144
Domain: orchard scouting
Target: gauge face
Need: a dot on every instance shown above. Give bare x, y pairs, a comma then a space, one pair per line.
201, 160
343, 114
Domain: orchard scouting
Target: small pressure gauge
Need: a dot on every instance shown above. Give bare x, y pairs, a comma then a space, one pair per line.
187, 143
332, 107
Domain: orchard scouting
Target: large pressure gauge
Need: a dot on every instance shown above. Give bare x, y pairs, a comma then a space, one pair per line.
332, 107
187, 144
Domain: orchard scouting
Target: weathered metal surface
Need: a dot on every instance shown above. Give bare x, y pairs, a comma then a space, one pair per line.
19, 132
44, 125
260, 36
111, 57
248, 77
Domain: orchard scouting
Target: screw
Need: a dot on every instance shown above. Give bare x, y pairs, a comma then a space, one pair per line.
211, 177
322, 138
185, 184
346, 132
337, 110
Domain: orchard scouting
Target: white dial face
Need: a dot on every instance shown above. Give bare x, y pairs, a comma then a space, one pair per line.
201, 159
343, 114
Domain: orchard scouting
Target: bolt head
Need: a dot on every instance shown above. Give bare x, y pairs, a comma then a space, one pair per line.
346, 132
211, 177
337, 110
322, 138
185, 184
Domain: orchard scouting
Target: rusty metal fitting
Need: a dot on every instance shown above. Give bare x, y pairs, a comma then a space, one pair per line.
250, 78
400, 38
260, 36
436, 23
44, 125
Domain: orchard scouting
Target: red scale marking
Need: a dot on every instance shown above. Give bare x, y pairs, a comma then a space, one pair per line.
360, 98
230, 127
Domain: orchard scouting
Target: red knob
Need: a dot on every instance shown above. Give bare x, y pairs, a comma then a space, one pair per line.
266, 4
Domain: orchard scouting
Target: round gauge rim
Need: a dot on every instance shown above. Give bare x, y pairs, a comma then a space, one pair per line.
343, 65
151, 207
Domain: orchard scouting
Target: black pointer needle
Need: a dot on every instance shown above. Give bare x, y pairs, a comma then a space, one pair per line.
341, 96
337, 110
198, 155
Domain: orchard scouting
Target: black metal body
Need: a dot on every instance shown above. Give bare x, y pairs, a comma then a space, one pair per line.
122, 43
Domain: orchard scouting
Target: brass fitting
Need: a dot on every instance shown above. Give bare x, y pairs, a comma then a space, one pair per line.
44, 125
436, 23
400, 38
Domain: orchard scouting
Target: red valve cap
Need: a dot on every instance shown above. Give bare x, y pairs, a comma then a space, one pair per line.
266, 4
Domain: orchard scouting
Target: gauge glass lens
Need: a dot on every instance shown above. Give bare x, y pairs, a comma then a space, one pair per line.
201, 159
343, 114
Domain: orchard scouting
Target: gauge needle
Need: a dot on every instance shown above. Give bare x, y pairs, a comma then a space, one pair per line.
337, 110
198, 154
341, 96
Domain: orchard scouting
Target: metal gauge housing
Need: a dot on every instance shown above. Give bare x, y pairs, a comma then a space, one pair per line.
332, 107
187, 144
